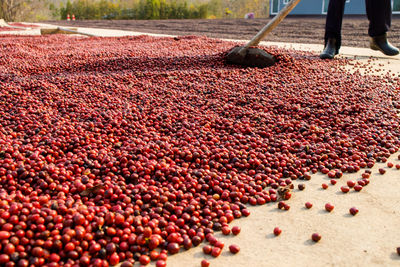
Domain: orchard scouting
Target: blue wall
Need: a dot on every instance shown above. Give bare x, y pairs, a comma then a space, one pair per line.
315, 7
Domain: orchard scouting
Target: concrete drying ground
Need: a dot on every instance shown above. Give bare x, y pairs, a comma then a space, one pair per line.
368, 239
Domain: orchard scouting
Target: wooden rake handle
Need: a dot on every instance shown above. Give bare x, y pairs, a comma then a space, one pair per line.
271, 25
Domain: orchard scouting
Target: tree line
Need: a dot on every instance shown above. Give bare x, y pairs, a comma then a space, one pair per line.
143, 9
37, 10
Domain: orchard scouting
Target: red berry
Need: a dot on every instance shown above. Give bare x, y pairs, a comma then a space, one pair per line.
219, 244
205, 263
277, 231
382, 171
234, 249
301, 187
353, 211
216, 251
236, 230
390, 164
398, 166
308, 205
173, 248
329, 207
324, 186
4, 258
316, 237
333, 181
114, 259
351, 183
358, 187
144, 259
4, 235
161, 263
207, 249
225, 230
345, 189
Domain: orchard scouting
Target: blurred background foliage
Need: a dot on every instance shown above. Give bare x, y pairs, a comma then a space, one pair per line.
38, 10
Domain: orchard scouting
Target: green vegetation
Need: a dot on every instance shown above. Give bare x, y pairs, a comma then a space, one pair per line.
34, 10
143, 9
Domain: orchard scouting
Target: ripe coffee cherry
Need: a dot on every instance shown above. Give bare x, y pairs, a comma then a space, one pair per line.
234, 249
205, 263
144, 259
382, 170
358, 187
316, 237
308, 205
173, 248
225, 230
353, 211
236, 230
329, 207
345, 189
324, 186
216, 251
301, 187
207, 249
351, 183
277, 231
161, 263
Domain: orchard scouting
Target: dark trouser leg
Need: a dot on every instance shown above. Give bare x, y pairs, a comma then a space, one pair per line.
379, 13
334, 19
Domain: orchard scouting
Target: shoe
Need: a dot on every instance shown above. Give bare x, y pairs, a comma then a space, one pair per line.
330, 49
381, 43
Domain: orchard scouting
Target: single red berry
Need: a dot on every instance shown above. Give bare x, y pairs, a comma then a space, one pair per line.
207, 249
329, 207
390, 164
351, 183
301, 187
225, 230
316, 237
205, 263
345, 189
324, 186
308, 205
398, 166
281, 205
161, 263
216, 251
236, 230
358, 187
382, 171
219, 244
353, 211
277, 231
234, 249
144, 259
333, 181
114, 259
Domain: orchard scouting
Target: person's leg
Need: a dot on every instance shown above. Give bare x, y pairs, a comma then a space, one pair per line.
333, 28
334, 19
379, 13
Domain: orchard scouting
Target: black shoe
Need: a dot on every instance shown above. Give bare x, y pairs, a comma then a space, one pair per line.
381, 43
330, 49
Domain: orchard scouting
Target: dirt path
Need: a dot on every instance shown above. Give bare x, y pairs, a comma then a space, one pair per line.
292, 29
